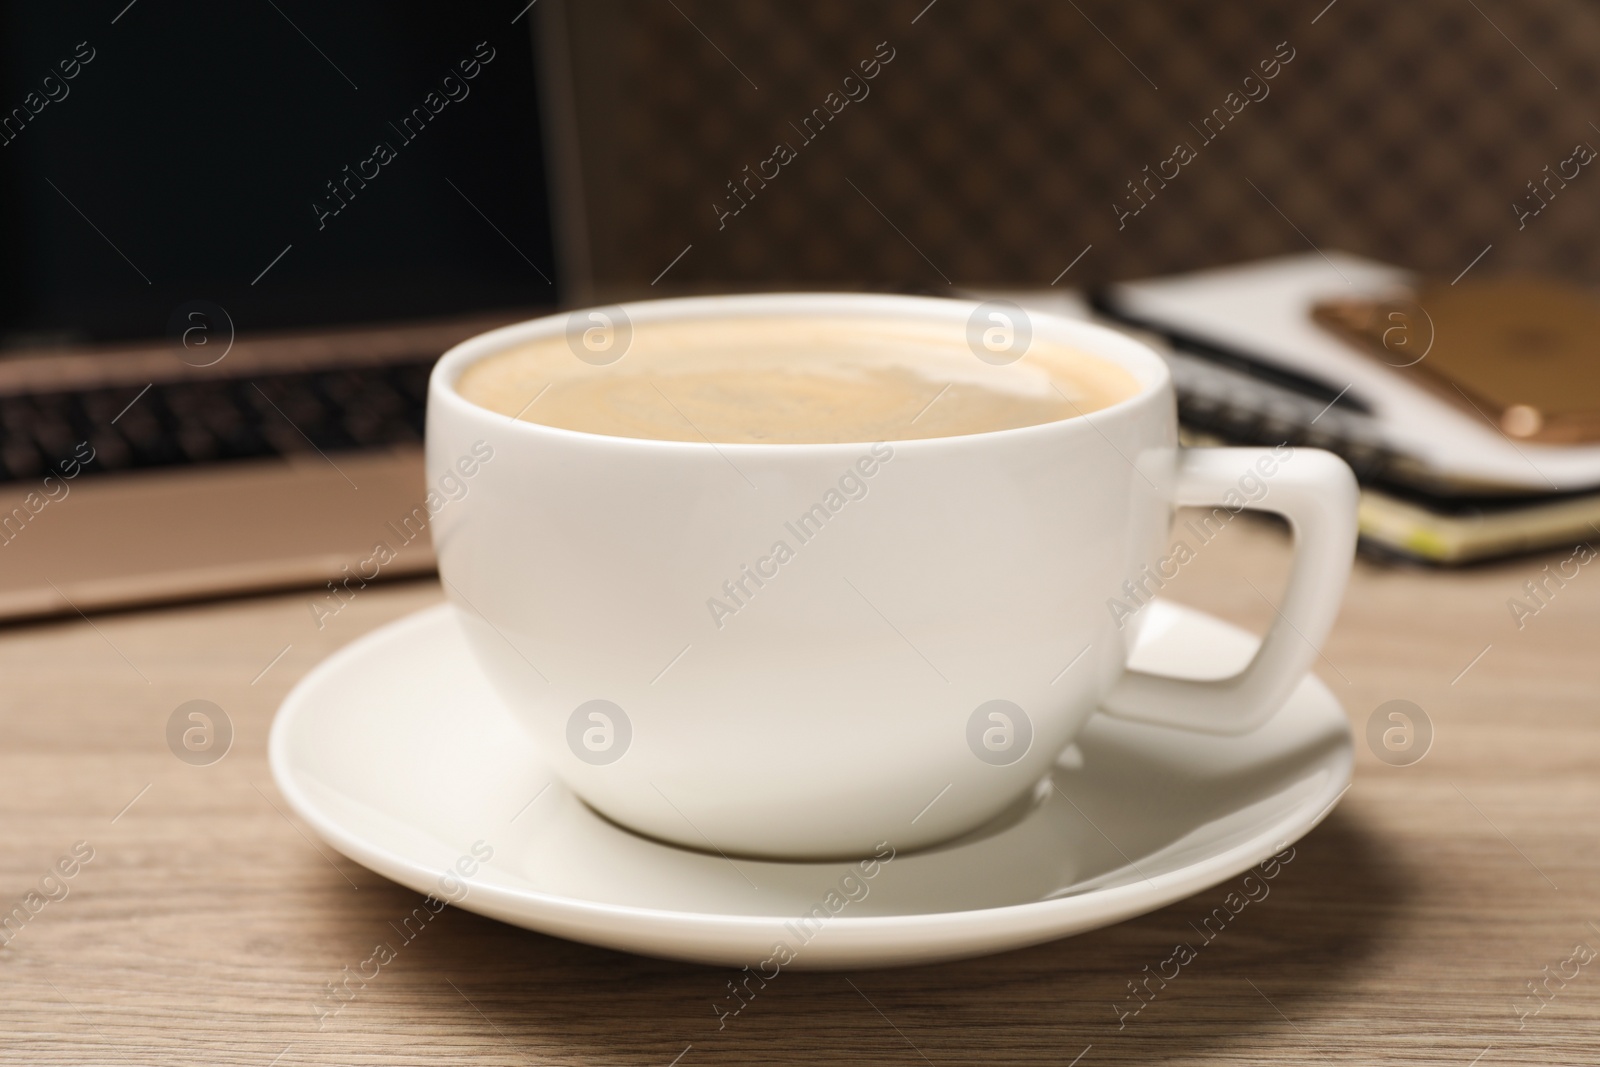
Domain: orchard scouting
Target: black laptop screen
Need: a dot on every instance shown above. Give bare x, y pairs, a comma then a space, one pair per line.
298, 164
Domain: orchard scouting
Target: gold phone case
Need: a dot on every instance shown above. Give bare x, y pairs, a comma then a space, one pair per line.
1522, 353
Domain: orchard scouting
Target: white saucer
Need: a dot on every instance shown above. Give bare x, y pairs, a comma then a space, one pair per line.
396, 751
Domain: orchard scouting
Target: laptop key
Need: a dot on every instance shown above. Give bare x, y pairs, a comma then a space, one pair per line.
215, 420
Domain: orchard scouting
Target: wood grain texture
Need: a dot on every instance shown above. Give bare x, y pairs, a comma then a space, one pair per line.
1403, 932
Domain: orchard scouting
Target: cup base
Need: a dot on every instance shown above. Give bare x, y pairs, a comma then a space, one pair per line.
1014, 812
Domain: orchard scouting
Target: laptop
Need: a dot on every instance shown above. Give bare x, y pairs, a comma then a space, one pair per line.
233, 241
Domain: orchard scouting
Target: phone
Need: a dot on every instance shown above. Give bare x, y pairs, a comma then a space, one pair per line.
1522, 353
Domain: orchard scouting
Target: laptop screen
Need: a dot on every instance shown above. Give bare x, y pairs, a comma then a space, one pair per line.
297, 164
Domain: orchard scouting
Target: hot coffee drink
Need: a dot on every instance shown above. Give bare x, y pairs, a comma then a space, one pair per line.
788, 380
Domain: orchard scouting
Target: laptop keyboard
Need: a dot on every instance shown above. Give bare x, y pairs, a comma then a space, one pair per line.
210, 420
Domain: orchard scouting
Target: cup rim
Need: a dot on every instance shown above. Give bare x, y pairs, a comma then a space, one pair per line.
1136, 357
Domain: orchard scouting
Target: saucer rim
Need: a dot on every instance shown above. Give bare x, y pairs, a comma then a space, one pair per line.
1049, 918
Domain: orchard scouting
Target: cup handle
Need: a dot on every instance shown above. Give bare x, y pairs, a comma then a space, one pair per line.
1316, 492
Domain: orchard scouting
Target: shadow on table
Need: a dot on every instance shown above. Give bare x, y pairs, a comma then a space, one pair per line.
1268, 972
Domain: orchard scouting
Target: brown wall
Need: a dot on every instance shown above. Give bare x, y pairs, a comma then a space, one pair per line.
1002, 132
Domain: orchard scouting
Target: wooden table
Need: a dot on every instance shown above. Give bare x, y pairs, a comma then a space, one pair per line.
1406, 930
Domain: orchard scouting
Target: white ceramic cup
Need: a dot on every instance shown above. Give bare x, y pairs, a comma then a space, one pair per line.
924, 652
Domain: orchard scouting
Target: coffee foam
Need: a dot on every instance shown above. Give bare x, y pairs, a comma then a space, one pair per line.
794, 380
